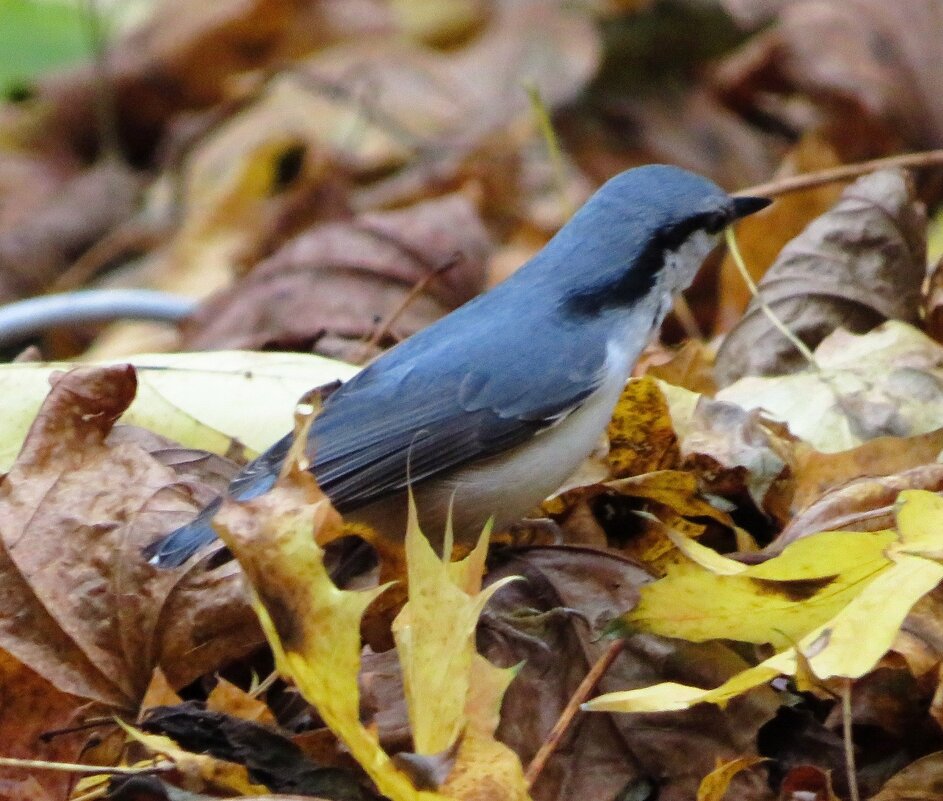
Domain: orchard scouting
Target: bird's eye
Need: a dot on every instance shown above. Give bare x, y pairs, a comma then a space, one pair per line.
715, 222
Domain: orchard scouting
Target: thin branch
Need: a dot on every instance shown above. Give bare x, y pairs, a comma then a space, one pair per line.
72, 767
562, 726
846, 172
849, 742
417, 289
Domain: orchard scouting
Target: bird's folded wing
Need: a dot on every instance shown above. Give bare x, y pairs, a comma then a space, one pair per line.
362, 453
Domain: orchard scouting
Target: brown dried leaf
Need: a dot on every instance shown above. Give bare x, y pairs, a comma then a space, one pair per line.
863, 63
738, 453
606, 754
30, 706
920, 779
83, 608
185, 56
762, 236
817, 473
856, 266
339, 278
36, 249
863, 505
229, 699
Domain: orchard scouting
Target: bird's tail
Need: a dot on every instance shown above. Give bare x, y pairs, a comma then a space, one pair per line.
178, 546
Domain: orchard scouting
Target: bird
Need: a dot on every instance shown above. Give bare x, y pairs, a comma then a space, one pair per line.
487, 411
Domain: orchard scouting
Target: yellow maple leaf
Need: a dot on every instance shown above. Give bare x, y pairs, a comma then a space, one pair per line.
451, 691
312, 626
453, 694
775, 602
856, 635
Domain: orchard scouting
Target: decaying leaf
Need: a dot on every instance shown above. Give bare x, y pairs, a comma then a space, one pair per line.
35, 250
199, 772
85, 611
641, 436
314, 630
871, 71
883, 383
863, 625
336, 285
29, 707
178, 395
716, 783
762, 236
263, 755
550, 624
859, 264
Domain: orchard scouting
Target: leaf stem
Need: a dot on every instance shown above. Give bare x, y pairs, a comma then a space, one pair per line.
545, 124
778, 324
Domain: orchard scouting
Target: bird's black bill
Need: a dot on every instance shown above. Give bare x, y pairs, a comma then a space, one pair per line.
745, 206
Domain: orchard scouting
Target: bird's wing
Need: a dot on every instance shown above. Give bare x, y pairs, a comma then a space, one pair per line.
407, 424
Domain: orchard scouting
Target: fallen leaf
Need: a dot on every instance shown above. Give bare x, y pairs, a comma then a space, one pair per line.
35, 250
85, 609
333, 286
29, 707
857, 265
738, 454
178, 395
817, 473
267, 757
866, 68
312, 626
863, 505
716, 783
776, 602
551, 623
641, 434
199, 771
920, 779
762, 236
883, 383
849, 644
231, 700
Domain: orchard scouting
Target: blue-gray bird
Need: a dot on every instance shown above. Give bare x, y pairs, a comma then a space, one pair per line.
496, 404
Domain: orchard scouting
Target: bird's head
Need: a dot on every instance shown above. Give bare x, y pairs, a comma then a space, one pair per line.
641, 238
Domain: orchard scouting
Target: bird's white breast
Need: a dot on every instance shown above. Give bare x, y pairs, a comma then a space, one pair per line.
510, 485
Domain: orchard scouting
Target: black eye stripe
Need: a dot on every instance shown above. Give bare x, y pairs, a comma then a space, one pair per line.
637, 281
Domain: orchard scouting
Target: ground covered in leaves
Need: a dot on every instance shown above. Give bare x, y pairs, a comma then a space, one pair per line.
738, 596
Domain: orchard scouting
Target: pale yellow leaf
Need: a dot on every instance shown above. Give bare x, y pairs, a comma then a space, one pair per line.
775, 602
715, 784
202, 400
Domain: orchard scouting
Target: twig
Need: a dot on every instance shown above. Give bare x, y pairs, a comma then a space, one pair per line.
72, 767
809, 180
849, 742
560, 728
92, 723
30, 317
417, 289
